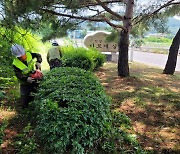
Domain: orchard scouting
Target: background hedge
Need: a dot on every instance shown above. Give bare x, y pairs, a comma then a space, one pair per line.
88, 59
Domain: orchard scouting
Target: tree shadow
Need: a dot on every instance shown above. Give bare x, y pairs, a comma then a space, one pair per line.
151, 100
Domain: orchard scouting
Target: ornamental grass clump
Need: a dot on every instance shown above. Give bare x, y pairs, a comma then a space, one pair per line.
72, 111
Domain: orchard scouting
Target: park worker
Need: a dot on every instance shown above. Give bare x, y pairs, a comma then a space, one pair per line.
27, 68
54, 55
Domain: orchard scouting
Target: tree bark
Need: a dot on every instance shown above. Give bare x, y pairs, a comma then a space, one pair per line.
172, 57
123, 66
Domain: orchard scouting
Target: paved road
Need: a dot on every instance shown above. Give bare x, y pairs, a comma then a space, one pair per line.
153, 59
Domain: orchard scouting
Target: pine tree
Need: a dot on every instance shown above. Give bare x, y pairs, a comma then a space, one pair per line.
56, 17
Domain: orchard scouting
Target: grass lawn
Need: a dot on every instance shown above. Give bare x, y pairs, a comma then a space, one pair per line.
151, 100
157, 45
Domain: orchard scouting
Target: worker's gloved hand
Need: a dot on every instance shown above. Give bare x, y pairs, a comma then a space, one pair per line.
38, 66
30, 80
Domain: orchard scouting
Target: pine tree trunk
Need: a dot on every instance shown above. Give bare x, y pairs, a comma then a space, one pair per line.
172, 57
123, 66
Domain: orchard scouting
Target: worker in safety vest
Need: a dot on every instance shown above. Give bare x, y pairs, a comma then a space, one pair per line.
25, 65
54, 56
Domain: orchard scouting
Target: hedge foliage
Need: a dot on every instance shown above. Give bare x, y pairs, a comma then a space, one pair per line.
72, 111
88, 59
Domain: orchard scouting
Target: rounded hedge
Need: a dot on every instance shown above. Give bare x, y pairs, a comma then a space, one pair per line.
77, 59
72, 111
88, 59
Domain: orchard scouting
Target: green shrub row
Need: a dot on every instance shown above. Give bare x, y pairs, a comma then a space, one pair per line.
88, 59
71, 114
71, 110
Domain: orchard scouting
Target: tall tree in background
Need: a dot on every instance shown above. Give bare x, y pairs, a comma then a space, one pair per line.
173, 53
59, 16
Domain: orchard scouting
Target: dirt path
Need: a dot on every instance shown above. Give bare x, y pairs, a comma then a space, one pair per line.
11, 124
151, 100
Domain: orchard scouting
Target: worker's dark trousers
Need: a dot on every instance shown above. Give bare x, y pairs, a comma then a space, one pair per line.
26, 90
55, 63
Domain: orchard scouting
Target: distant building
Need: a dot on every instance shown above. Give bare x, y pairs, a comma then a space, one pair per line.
76, 34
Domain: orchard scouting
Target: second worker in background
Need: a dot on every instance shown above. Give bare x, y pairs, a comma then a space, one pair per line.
54, 56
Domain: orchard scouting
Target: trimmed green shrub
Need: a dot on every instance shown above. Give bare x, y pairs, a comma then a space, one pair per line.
88, 59
77, 57
71, 111
97, 58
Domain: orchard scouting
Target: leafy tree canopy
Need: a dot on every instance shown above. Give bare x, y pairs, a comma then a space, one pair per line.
62, 15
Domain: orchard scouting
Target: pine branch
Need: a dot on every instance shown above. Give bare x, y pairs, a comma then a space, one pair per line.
141, 17
91, 18
109, 10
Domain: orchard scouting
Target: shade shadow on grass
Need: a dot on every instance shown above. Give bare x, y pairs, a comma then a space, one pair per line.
152, 101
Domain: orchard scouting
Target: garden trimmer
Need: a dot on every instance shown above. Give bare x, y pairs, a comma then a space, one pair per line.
36, 75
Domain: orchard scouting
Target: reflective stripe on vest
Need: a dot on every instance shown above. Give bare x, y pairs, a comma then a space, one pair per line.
25, 69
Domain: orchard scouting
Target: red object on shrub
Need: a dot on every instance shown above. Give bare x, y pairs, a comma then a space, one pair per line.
37, 74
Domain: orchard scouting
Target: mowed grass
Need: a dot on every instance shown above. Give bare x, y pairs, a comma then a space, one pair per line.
151, 100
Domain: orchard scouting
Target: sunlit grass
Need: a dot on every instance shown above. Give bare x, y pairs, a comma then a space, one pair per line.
158, 45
